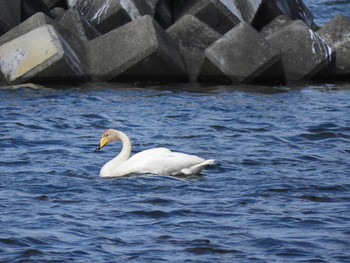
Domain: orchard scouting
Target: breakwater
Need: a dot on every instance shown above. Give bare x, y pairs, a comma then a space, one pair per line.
216, 41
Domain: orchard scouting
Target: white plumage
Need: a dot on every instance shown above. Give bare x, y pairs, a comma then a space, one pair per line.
161, 161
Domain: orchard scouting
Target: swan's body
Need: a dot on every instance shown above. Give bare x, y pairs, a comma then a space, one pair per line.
159, 161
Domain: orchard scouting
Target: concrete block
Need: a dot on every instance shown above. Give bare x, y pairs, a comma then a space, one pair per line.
138, 51
181, 6
54, 3
275, 25
212, 12
107, 15
304, 54
153, 4
336, 33
136, 8
232, 10
2, 80
295, 9
77, 25
31, 7
40, 19
104, 15
71, 3
10, 15
57, 12
193, 36
243, 9
243, 56
164, 13
35, 21
40, 55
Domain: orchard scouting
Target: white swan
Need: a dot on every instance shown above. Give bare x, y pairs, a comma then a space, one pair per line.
159, 161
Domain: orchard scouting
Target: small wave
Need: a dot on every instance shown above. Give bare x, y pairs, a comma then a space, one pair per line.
279, 190
31, 252
270, 243
292, 253
158, 201
221, 128
66, 201
313, 198
325, 131
331, 188
311, 157
93, 116
12, 242
42, 197
206, 250
319, 136
150, 214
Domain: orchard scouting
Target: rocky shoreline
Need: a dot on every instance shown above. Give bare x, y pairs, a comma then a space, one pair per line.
270, 42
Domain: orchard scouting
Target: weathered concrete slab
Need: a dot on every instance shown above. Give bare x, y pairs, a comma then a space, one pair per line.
10, 15
212, 12
40, 19
243, 56
275, 25
144, 52
336, 33
304, 53
107, 15
77, 25
39, 55
295, 9
35, 21
193, 36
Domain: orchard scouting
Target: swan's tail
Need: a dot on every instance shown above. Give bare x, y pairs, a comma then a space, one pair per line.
195, 169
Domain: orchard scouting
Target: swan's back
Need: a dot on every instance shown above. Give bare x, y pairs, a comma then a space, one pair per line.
162, 161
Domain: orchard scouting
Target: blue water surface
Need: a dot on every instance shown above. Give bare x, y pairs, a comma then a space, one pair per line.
279, 191
324, 10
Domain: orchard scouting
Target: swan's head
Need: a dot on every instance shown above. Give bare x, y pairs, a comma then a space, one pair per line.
108, 136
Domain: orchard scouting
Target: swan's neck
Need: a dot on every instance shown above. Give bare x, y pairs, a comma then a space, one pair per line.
111, 168
124, 154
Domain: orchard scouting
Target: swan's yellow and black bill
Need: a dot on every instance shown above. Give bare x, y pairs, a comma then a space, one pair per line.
103, 142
